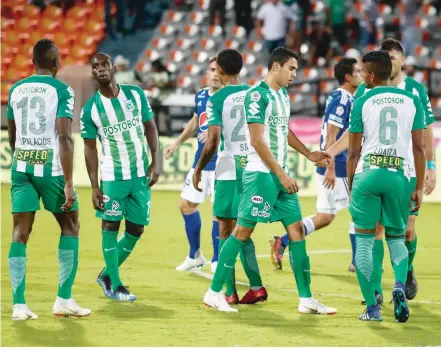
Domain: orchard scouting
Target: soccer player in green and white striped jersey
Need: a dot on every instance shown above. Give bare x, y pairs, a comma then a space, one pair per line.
269, 194
121, 117
40, 110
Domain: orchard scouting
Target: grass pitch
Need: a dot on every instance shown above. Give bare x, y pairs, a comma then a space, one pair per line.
169, 310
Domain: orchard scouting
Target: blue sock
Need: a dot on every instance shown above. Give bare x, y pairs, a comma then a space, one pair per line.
193, 230
215, 240
285, 240
352, 237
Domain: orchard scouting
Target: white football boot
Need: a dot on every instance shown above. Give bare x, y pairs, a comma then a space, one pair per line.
22, 312
69, 308
312, 306
217, 300
189, 263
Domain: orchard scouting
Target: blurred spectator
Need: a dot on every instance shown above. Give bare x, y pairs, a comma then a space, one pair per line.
138, 6
353, 53
409, 69
368, 28
243, 15
119, 18
217, 6
337, 20
160, 76
320, 40
272, 23
125, 75
409, 9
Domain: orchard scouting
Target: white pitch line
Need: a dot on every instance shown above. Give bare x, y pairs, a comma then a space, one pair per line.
209, 276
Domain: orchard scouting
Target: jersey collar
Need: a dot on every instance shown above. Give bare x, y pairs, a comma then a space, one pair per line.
345, 92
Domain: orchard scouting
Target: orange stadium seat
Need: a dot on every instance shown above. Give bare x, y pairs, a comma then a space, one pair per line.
254, 46
207, 44
238, 32
184, 44
200, 56
151, 54
174, 16
193, 69
183, 81
7, 23
167, 29
11, 37
191, 30
80, 55
233, 44
79, 13
197, 17
53, 12
49, 24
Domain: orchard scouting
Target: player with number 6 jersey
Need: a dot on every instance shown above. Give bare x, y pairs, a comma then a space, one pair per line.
226, 122
40, 111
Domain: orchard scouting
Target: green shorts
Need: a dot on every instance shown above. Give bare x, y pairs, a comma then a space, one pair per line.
227, 198
412, 187
264, 199
26, 190
380, 195
126, 198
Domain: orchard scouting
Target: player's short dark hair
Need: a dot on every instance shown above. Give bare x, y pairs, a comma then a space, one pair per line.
281, 55
381, 65
343, 67
230, 61
41, 53
212, 59
392, 44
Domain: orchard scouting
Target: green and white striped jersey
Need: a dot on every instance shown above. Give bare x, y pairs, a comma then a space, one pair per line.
34, 104
226, 109
271, 108
386, 116
411, 85
118, 123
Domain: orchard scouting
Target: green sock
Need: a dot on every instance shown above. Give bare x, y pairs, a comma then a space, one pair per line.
227, 260
300, 266
17, 270
126, 244
230, 283
250, 265
398, 257
68, 260
377, 256
365, 266
411, 248
110, 252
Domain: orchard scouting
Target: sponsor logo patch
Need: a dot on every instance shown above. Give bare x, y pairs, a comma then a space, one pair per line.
256, 199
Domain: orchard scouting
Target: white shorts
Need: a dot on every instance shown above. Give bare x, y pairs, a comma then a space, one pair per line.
331, 201
207, 184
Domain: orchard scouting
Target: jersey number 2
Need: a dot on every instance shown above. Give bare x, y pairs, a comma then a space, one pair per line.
235, 136
36, 103
388, 128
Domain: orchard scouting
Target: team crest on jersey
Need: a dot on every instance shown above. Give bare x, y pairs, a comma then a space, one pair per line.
129, 105
255, 96
203, 121
340, 110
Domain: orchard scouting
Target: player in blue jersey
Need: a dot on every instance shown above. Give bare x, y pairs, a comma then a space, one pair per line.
190, 197
333, 192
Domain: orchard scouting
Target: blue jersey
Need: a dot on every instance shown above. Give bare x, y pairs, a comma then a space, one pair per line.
337, 110
200, 101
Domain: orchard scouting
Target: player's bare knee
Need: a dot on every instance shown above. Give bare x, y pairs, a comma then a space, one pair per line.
134, 229
188, 207
22, 227
20, 235
242, 233
110, 225
295, 231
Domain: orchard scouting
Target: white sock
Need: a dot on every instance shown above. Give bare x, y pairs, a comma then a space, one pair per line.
308, 225
351, 228
305, 300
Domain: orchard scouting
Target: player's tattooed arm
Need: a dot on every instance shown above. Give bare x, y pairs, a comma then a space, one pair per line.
151, 132
257, 131
12, 134
315, 156
91, 156
354, 152
188, 132
212, 143
64, 128
420, 166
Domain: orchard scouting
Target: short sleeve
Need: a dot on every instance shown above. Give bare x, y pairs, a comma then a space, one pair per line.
195, 104
146, 109
255, 107
10, 110
338, 112
356, 120
427, 107
66, 102
214, 112
419, 121
88, 127
261, 12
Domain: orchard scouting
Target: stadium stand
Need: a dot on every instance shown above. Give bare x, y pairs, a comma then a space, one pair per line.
184, 40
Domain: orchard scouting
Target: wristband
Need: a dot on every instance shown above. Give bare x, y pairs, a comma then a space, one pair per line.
431, 165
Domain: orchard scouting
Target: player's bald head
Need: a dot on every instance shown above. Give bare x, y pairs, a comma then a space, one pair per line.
46, 55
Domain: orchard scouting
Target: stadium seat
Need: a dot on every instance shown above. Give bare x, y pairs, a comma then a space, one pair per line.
183, 81
177, 55
254, 46
49, 24
160, 43
238, 32
184, 44
193, 69
203, 4
229, 43
200, 56
53, 12
7, 23
174, 16
79, 13
191, 30
151, 54
197, 17
215, 31
261, 71
31, 11
248, 58
167, 29
207, 44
